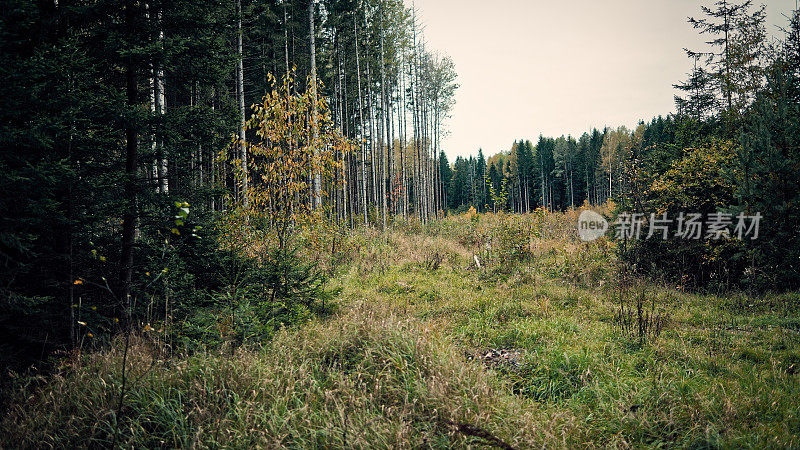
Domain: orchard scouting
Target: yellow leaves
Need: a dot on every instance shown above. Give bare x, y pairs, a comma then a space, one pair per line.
699, 178
78, 282
287, 151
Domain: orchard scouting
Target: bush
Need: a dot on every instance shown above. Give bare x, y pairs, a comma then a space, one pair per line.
258, 297
703, 182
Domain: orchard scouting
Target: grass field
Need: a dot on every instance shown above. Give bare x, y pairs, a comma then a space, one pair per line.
476, 330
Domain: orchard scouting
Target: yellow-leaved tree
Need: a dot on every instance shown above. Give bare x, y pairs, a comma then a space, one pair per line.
285, 154
290, 140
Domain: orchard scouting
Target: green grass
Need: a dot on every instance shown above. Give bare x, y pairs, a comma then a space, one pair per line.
392, 368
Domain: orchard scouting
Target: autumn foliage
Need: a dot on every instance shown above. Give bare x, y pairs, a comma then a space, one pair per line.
292, 143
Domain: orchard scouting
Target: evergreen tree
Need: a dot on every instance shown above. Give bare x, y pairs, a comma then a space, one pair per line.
735, 70
525, 164
494, 179
480, 180
446, 177
768, 162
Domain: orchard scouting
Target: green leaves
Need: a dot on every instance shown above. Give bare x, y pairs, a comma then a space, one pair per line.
183, 210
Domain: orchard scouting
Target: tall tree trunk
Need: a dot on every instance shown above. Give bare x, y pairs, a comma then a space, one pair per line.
361, 128
131, 153
403, 136
541, 176
342, 115
418, 195
392, 169
158, 105
728, 67
372, 132
317, 190
286, 38
242, 114
436, 150
385, 122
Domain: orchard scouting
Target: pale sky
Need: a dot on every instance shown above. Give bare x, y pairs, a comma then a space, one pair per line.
557, 67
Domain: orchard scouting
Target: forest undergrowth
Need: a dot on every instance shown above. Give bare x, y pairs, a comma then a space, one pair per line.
492, 330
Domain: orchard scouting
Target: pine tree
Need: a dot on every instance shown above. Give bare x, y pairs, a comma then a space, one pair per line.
738, 40
446, 177
768, 162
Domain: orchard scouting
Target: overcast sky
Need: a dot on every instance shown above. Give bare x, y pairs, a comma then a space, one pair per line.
561, 67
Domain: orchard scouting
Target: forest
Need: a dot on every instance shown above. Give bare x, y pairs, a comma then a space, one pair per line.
234, 223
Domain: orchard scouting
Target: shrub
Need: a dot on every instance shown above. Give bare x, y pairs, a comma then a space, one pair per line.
703, 182
259, 297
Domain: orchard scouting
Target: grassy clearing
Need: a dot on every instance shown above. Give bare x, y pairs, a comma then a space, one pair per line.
401, 364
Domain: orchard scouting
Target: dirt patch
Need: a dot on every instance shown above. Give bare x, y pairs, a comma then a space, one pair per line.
497, 357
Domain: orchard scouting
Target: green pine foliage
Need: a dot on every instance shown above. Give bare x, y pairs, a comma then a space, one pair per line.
769, 160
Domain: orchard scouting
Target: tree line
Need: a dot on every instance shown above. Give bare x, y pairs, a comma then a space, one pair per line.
732, 147
556, 173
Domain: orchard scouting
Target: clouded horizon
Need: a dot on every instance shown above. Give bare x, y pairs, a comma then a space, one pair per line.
532, 67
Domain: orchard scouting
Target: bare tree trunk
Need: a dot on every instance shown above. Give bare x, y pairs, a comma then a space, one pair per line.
416, 171
403, 135
317, 189
286, 38
385, 122
541, 174
157, 107
436, 172
361, 128
337, 193
212, 161
392, 169
372, 135
342, 115
436, 150
197, 160
427, 143
242, 114
418, 188
131, 156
